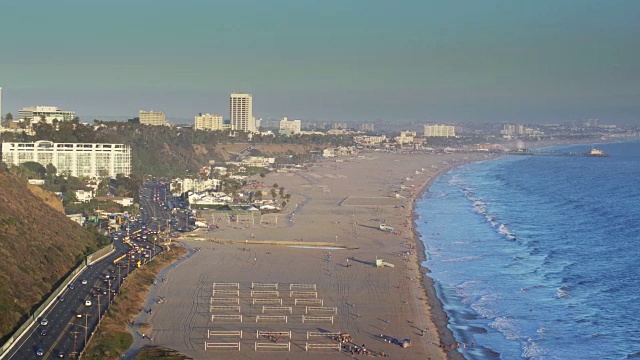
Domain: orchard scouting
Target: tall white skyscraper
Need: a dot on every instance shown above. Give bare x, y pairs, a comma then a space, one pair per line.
241, 112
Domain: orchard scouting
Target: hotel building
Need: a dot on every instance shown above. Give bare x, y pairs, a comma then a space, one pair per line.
241, 112
75, 159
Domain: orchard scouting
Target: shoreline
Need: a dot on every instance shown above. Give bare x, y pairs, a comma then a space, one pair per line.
438, 315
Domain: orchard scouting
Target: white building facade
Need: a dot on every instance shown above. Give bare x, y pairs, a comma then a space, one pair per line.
290, 127
241, 112
76, 159
439, 131
210, 122
48, 113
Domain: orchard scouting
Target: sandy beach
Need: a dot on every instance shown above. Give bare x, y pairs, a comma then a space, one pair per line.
339, 202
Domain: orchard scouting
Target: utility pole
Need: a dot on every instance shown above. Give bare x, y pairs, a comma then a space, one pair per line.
98, 310
86, 327
75, 337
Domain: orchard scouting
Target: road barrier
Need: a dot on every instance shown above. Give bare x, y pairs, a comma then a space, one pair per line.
309, 302
272, 318
225, 300
311, 334
266, 301
211, 333
264, 286
213, 308
309, 346
302, 286
277, 309
320, 309
225, 292
226, 285
221, 346
294, 293
306, 318
265, 293
282, 334
226, 318
272, 346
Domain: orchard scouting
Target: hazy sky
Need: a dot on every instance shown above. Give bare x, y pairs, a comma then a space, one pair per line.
331, 60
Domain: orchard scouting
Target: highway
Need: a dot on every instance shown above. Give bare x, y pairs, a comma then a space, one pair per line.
70, 319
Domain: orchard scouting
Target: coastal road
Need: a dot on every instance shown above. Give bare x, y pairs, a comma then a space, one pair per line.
64, 330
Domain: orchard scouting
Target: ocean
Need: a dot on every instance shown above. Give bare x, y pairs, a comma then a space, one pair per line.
538, 257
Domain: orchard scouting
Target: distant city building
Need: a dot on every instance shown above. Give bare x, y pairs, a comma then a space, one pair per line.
512, 129
406, 137
241, 112
369, 140
154, 118
290, 127
589, 123
211, 122
75, 159
366, 127
340, 126
48, 113
439, 131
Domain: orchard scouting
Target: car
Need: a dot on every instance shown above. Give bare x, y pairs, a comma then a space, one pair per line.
43, 332
79, 316
60, 355
71, 287
87, 303
60, 298
40, 352
84, 281
44, 322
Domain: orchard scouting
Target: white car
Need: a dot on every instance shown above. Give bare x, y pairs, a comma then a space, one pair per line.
84, 282
87, 303
44, 322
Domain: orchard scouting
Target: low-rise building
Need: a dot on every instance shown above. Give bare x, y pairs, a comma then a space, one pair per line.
153, 118
46, 113
181, 186
84, 195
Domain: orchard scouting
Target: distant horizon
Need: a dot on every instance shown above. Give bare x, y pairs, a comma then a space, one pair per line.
470, 61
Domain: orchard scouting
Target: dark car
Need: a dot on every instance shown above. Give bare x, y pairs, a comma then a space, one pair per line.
43, 332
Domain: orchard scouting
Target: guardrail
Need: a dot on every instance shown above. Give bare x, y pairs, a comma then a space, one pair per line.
98, 255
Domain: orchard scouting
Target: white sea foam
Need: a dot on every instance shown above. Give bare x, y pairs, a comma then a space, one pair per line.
483, 311
506, 327
562, 292
532, 350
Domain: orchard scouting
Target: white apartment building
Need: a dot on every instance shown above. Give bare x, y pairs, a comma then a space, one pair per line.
154, 118
241, 112
75, 159
180, 186
290, 127
210, 122
49, 113
439, 131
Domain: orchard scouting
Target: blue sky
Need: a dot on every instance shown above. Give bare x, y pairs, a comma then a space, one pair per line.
327, 60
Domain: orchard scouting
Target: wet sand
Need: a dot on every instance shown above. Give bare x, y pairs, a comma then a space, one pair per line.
339, 202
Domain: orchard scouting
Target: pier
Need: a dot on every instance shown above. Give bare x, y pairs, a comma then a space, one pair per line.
527, 152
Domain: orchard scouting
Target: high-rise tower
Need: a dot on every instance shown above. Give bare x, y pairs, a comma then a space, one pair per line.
241, 112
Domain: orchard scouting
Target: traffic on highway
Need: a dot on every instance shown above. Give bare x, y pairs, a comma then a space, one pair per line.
66, 326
